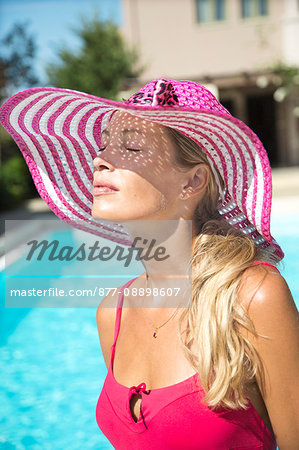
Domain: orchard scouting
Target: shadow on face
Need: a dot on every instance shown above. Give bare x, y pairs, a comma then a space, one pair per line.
137, 158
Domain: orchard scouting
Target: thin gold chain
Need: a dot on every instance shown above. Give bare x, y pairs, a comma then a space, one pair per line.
155, 334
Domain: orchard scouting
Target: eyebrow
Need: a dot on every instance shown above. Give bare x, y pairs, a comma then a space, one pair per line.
125, 131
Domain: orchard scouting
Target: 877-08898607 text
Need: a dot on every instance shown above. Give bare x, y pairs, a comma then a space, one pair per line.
57, 292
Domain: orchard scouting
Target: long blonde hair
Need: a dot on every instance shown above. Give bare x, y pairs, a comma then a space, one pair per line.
225, 360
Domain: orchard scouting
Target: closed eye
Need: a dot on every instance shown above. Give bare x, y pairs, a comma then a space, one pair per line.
127, 148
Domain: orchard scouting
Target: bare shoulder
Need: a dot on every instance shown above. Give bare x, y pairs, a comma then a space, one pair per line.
267, 299
263, 288
265, 295
105, 317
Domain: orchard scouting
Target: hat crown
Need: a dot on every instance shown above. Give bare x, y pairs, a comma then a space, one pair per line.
184, 93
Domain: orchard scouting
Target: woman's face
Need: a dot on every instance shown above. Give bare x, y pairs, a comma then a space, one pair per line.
137, 158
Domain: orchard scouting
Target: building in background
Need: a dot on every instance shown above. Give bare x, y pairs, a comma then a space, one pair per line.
232, 46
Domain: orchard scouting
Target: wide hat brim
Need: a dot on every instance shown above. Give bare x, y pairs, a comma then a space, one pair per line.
58, 133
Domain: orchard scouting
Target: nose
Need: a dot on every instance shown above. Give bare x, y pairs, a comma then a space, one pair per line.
100, 163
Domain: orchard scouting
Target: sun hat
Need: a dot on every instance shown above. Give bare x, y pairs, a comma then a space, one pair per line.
59, 134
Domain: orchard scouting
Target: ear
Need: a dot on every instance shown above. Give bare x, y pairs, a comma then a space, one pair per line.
198, 180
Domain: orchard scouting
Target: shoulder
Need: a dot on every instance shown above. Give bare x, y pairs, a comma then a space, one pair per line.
263, 289
105, 317
265, 295
267, 299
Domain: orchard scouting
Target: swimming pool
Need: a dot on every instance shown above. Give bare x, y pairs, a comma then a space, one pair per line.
52, 373
52, 368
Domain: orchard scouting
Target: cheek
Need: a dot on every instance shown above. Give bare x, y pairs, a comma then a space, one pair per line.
157, 195
155, 188
170, 183
143, 193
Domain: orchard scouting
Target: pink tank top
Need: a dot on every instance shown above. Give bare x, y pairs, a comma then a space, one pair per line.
173, 417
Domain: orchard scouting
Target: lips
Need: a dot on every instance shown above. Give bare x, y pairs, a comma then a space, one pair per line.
104, 184
103, 187
102, 191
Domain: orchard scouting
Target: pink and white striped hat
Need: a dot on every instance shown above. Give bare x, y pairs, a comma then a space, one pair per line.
58, 133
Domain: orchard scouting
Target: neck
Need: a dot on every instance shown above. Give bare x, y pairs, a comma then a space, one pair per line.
169, 263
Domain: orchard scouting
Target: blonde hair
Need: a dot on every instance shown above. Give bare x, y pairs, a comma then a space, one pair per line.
224, 359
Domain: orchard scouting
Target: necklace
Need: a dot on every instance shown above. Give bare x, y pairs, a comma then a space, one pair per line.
155, 334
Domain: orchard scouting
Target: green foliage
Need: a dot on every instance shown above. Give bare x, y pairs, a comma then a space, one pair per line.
100, 66
8, 146
15, 182
17, 53
286, 80
289, 75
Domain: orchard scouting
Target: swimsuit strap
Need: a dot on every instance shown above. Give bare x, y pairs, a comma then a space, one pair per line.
264, 263
118, 310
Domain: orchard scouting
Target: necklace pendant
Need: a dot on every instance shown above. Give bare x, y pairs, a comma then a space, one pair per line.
155, 334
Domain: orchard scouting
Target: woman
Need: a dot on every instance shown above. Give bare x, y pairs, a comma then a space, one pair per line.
217, 370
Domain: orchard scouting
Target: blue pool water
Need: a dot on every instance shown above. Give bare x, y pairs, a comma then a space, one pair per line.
52, 370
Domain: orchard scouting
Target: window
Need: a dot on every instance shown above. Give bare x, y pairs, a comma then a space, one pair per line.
254, 8
210, 10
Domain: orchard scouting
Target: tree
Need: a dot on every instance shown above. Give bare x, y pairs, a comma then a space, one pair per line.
16, 58
17, 54
100, 66
287, 80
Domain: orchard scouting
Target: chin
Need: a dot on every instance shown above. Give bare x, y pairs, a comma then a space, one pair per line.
99, 214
